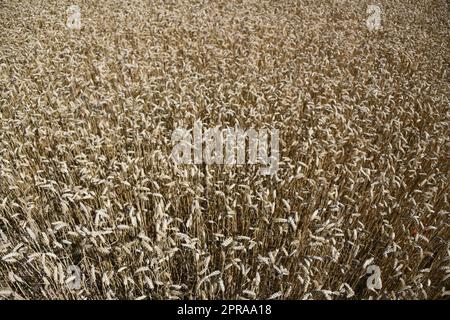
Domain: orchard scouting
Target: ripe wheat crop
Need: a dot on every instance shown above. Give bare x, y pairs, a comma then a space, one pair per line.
87, 182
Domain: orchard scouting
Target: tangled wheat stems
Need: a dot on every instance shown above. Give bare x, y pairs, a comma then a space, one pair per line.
86, 178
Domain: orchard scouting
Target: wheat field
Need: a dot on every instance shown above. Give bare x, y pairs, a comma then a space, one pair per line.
86, 175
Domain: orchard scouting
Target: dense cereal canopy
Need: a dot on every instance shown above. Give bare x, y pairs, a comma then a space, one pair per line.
87, 179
